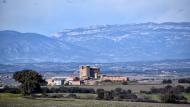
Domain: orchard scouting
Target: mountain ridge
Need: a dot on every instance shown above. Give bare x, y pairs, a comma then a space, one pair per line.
107, 43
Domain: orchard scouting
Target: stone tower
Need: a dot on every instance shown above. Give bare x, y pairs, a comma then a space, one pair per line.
84, 71
89, 72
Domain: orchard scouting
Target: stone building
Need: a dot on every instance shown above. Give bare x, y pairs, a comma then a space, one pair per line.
59, 80
114, 78
75, 82
89, 72
56, 81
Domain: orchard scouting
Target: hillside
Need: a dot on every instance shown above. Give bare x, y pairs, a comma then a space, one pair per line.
133, 42
106, 43
18, 47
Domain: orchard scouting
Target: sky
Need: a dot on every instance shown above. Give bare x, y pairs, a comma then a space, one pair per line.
48, 16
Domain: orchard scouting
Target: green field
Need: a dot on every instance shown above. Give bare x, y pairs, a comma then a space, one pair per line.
16, 100
155, 97
134, 87
187, 95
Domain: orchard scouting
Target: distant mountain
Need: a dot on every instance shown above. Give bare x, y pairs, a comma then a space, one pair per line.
176, 66
18, 47
107, 43
132, 42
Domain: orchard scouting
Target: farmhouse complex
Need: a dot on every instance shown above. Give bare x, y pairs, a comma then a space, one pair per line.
88, 75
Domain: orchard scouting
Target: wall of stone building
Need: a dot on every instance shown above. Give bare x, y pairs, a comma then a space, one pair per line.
50, 82
90, 82
94, 72
88, 71
115, 78
74, 83
84, 71
55, 81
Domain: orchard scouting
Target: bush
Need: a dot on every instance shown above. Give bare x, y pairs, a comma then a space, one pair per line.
119, 93
187, 90
145, 92
184, 80
72, 96
167, 81
171, 97
129, 91
124, 83
145, 100
68, 90
107, 81
108, 95
13, 90
100, 93
180, 88
45, 90
155, 90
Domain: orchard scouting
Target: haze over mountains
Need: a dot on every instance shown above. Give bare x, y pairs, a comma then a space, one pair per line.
106, 43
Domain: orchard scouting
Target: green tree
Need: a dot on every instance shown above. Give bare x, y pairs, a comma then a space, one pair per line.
169, 97
30, 81
108, 95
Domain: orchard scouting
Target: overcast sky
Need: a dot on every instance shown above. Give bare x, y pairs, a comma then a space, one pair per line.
48, 16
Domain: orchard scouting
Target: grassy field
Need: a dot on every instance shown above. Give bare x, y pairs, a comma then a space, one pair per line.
155, 97
133, 87
79, 95
16, 100
187, 95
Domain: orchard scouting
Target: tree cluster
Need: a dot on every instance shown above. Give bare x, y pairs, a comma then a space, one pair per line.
177, 89
7, 89
30, 81
116, 94
161, 90
67, 90
167, 81
170, 94
184, 80
172, 97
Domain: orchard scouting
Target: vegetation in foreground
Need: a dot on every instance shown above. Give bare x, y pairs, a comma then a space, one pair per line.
30, 81
31, 88
17, 100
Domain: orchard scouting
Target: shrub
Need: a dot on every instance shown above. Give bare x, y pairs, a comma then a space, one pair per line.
124, 83
168, 98
72, 96
100, 93
167, 81
145, 99
145, 92
45, 90
13, 90
168, 88
184, 80
108, 95
107, 81
171, 97
123, 94
187, 90
154, 90
180, 88
129, 91
68, 90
